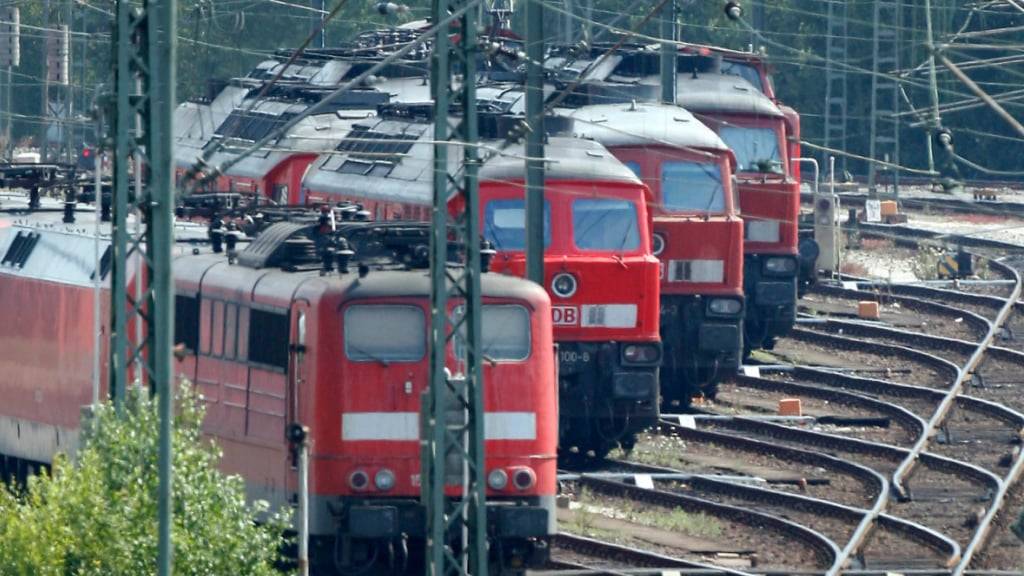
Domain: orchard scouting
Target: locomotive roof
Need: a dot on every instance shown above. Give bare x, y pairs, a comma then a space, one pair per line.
392, 160
198, 127
64, 253
710, 93
643, 124
275, 284
566, 159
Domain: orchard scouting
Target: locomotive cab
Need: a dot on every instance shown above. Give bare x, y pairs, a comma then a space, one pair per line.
603, 283
698, 235
769, 196
346, 355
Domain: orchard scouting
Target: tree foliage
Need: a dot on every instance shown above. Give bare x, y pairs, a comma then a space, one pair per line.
98, 514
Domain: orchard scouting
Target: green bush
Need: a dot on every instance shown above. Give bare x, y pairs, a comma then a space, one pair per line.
98, 514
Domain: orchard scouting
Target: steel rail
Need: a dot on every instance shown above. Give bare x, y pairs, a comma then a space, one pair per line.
907, 338
893, 410
585, 545
938, 541
822, 545
720, 572
914, 304
827, 440
841, 342
912, 530
939, 416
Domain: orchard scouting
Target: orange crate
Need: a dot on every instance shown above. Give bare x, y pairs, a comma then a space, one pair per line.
790, 407
868, 310
889, 208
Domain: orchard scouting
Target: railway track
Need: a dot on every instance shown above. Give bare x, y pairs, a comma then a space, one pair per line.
937, 394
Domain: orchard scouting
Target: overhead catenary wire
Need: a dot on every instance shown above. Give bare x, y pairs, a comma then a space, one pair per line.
323, 103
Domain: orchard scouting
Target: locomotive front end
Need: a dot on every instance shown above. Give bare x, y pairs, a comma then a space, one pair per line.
369, 515
603, 282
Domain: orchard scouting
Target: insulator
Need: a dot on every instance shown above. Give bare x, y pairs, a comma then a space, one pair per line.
58, 53
733, 10
10, 36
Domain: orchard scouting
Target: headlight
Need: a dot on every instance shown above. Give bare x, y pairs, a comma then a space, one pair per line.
658, 244
564, 285
384, 479
780, 265
497, 479
358, 480
524, 478
641, 354
725, 306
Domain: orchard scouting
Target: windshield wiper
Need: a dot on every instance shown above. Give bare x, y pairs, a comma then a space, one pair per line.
622, 246
373, 357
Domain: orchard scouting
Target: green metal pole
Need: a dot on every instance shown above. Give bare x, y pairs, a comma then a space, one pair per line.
123, 117
668, 53
433, 465
44, 124
162, 36
453, 432
933, 86
475, 495
535, 140
757, 18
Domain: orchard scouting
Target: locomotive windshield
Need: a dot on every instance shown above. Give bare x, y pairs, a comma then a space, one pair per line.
756, 149
691, 187
504, 330
505, 224
605, 224
385, 333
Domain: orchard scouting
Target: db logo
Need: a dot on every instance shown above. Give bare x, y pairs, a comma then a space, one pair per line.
565, 315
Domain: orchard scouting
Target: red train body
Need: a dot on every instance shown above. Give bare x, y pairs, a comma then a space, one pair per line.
769, 195
717, 91
753, 68
697, 232
343, 354
598, 235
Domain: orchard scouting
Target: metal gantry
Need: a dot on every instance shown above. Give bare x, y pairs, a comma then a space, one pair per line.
10, 58
836, 102
534, 140
884, 139
453, 408
758, 22
145, 63
669, 53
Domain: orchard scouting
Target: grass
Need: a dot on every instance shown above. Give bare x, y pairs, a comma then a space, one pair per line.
584, 521
695, 524
654, 450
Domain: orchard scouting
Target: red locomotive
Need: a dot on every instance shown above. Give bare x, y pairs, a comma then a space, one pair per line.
755, 129
753, 68
599, 269
277, 338
697, 234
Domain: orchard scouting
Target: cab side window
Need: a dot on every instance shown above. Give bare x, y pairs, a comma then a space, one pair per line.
268, 338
